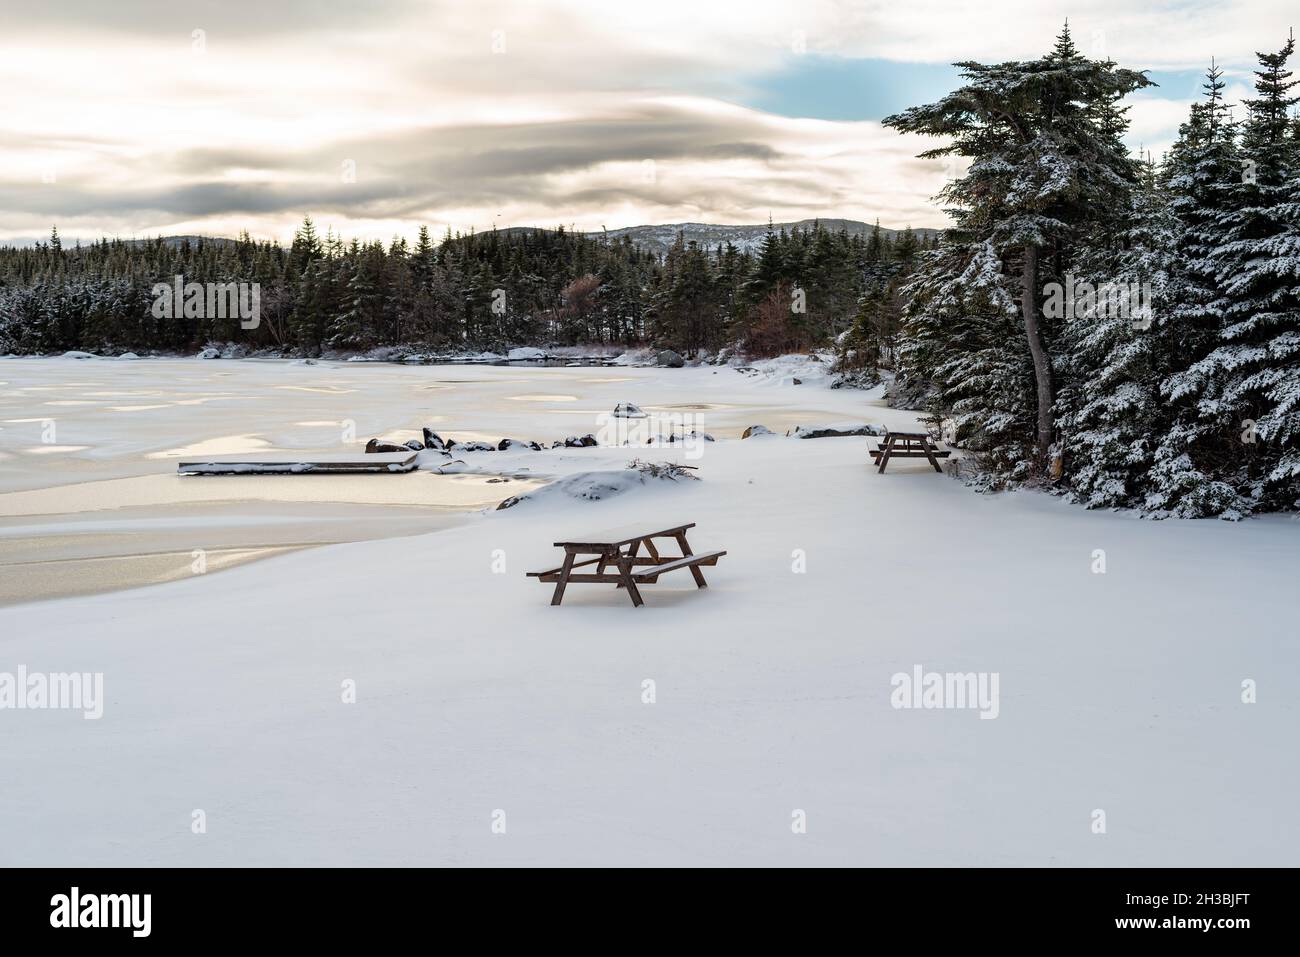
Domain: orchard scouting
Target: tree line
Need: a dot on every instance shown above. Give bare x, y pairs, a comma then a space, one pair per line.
798, 289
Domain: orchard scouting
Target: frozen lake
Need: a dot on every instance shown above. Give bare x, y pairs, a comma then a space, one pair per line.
90, 500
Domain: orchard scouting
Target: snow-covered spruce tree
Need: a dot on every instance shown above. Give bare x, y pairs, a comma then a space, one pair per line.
1047, 167
1256, 263
1197, 444
962, 332
1110, 409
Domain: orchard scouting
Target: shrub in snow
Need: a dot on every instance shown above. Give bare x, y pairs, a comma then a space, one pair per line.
858, 379
669, 471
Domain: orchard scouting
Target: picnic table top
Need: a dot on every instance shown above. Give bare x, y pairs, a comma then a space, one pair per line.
623, 535
908, 435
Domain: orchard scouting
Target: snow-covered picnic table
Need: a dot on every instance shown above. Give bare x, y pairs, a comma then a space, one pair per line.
907, 445
621, 548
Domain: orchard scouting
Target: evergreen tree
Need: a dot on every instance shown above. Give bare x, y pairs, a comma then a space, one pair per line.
1047, 168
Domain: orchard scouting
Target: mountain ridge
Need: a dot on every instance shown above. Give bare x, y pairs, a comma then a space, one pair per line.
656, 238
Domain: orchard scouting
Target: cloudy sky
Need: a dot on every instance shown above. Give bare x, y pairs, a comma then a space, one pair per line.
139, 117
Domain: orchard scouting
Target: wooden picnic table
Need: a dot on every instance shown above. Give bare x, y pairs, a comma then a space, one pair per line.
621, 548
907, 445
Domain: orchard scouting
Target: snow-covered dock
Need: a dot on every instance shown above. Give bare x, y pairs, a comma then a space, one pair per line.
285, 463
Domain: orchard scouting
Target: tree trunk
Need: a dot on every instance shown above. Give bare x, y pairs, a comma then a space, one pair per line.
1042, 365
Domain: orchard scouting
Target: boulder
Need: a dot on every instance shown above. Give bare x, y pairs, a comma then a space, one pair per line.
415, 445
754, 430
626, 410
378, 445
471, 447
580, 441
670, 359
432, 440
517, 445
209, 353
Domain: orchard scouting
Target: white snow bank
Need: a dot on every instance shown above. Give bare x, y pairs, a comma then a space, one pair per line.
525, 353
830, 429
591, 487
808, 369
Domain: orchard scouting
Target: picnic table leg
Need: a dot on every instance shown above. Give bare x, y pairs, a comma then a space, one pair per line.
625, 572
630, 554
695, 569
929, 454
563, 580
884, 456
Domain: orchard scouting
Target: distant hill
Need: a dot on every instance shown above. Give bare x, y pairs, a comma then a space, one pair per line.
656, 239
746, 238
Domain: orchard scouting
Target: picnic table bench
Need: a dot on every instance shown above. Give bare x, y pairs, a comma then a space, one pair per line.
621, 549
907, 445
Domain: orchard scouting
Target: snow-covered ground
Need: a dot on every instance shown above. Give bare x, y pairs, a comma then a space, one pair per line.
704, 727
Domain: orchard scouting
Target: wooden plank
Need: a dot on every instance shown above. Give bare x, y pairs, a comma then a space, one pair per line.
305, 463
938, 453
619, 537
556, 571
686, 561
550, 573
